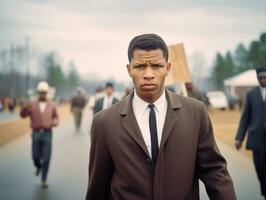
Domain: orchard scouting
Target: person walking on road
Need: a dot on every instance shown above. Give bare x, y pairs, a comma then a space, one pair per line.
107, 100
78, 102
154, 144
253, 121
43, 116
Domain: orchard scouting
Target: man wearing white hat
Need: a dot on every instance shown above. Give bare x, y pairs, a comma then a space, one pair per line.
43, 116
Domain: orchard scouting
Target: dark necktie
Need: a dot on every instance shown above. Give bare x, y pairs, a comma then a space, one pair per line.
153, 131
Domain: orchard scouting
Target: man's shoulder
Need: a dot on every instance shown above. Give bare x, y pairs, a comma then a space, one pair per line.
189, 102
253, 91
99, 99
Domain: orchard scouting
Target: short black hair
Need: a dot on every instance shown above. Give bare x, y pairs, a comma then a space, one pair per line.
260, 70
147, 42
109, 84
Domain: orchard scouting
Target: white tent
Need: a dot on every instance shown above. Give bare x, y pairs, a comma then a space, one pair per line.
246, 78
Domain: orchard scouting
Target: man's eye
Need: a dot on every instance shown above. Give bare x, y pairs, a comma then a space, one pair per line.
139, 66
157, 66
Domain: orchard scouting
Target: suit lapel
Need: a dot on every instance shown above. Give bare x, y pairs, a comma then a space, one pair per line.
130, 124
114, 100
259, 95
171, 116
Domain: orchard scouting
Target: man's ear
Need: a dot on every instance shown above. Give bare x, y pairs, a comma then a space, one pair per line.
128, 70
168, 67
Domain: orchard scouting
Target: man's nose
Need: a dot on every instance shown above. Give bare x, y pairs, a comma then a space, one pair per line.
148, 73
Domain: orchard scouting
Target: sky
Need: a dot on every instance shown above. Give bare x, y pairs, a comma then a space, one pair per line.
95, 34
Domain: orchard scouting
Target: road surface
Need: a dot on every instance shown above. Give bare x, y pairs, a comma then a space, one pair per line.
68, 170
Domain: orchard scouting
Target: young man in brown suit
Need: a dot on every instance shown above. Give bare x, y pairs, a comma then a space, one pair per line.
154, 144
43, 116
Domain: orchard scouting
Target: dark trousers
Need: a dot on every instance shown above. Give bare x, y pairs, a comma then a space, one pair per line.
77, 116
259, 158
41, 151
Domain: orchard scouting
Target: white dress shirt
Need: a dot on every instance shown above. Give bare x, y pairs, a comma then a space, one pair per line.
107, 101
142, 111
263, 93
42, 105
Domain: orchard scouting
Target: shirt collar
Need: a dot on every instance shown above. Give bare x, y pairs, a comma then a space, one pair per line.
143, 105
107, 97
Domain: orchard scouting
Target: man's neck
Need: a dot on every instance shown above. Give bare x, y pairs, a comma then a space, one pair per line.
150, 99
42, 100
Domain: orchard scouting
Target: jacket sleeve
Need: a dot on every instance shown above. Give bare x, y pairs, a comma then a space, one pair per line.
245, 120
211, 165
100, 165
25, 111
55, 116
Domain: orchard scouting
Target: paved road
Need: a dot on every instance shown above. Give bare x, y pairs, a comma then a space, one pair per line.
68, 170
4, 116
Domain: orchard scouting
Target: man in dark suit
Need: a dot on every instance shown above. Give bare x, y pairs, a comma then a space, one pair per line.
107, 100
154, 144
253, 120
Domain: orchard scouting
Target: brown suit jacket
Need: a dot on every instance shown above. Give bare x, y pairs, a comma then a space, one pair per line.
120, 166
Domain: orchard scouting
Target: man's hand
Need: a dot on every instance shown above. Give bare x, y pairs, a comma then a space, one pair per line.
55, 122
238, 144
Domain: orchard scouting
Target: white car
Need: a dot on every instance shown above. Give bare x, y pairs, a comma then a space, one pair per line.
217, 100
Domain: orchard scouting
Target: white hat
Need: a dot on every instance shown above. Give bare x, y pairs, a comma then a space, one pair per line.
43, 86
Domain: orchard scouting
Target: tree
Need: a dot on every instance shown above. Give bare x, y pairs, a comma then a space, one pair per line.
73, 78
224, 67
241, 59
256, 54
218, 70
229, 65
55, 75
263, 48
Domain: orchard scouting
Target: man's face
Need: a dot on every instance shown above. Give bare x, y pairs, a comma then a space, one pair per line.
189, 87
109, 91
148, 70
42, 95
262, 80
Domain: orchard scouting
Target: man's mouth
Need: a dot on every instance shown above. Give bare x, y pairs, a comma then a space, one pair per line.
148, 86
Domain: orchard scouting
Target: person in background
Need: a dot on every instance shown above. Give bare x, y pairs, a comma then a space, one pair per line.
253, 121
1, 106
78, 102
43, 116
107, 100
99, 93
11, 104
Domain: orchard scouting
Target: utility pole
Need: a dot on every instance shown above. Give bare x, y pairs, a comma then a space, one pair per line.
12, 92
27, 63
